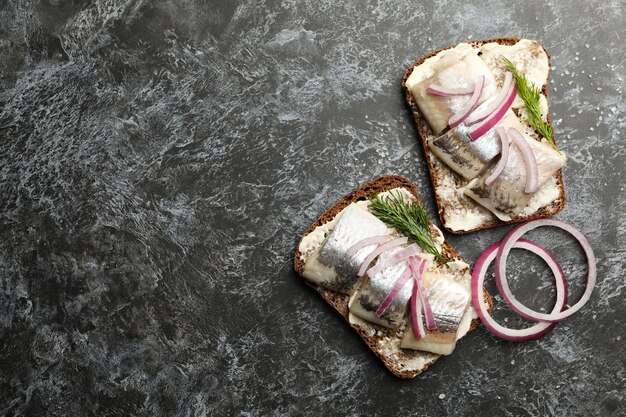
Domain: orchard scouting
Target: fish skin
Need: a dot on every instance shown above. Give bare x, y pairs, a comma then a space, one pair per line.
449, 301
462, 73
506, 196
374, 290
466, 157
457, 153
354, 225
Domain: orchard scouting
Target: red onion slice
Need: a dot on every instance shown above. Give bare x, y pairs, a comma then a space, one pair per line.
418, 268
480, 114
416, 314
483, 127
509, 242
385, 246
401, 255
448, 92
530, 162
397, 287
478, 299
462, 114
368, 241
504, 156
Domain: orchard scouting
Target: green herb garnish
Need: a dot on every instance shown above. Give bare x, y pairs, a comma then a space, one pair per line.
530, 95
407, 217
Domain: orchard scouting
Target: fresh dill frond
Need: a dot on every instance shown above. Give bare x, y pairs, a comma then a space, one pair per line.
531, 94
407, 217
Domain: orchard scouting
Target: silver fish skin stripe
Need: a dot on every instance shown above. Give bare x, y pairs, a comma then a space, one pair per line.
455, 149
449, 301
373, 292
354, 225
506, 196
456, 73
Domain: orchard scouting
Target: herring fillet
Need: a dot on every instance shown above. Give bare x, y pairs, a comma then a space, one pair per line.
374, 290
330, 266
460, 74
506, 196
449, 301
466, 157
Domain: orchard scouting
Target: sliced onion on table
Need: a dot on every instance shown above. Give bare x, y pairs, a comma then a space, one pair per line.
368, 241
478, 299
382, 248
448, 92
530, 162
481, 113
418, 268
401, 255
462, 114
397, 287
504, 156
479, 129
510, 241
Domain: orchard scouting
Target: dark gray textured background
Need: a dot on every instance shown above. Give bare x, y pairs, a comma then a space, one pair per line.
159, 161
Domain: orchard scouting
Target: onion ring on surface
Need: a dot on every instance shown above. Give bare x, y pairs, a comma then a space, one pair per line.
503, 252
478, 301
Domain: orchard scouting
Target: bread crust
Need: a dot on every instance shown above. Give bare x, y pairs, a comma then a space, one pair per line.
340, 301
420, 124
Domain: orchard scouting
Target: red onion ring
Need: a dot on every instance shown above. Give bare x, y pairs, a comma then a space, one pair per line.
401, 255
478, 299
479, 114
397, 287
504, 156
490, 121
418, 275
448, 92
416, 314
374, 240
509, 242
462, 114
385, 246
532, 174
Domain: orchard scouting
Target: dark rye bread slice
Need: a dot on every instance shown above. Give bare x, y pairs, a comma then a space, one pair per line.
340, 301
424, 130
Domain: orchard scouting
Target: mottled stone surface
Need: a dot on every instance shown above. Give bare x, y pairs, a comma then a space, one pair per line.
159, 161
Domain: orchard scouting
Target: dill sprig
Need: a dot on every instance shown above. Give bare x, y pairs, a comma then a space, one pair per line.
407, 217
530, 94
